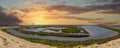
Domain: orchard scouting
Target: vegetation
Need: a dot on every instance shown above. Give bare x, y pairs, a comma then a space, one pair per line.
53, 34
70, 31
70, 44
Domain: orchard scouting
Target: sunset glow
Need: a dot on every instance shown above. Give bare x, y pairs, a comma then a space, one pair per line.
45, 13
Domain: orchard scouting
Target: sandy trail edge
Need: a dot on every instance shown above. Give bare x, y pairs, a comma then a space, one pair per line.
10, 41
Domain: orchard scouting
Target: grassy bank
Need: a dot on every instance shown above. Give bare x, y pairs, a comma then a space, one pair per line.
69, 31
70, 44
54, 34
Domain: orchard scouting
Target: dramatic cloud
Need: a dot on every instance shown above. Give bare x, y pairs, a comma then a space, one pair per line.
116, 1
43, 16
106, 23
71, 9
111, 9
61, 12
7, 19
38, 12
72, 17
110, 6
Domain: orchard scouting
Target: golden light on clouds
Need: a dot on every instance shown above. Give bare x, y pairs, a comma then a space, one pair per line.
36, 16
61, 14
43, 16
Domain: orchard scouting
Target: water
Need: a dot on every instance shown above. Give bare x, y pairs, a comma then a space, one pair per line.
95, 33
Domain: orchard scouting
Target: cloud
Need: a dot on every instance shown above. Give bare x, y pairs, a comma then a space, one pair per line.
113, 5
67, 8
106, 5
44, 13
1, 9
72, 17
116, 1
44, 16
112, 9
71, 9
8, 19
105, 23
26, 3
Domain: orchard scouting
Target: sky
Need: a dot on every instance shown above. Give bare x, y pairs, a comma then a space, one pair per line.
57, 12
79, 3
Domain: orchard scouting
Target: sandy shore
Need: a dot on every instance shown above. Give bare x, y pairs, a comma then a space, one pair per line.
10, 41
1, 41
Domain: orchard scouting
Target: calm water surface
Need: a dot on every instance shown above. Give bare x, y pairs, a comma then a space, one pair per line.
94, 31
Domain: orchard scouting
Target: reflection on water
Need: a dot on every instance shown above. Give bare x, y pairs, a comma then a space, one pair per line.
95, 33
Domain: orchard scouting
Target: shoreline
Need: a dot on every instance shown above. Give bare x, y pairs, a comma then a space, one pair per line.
10, 41
15, 42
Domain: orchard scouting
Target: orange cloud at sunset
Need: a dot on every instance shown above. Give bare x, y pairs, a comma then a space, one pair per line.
42, 14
